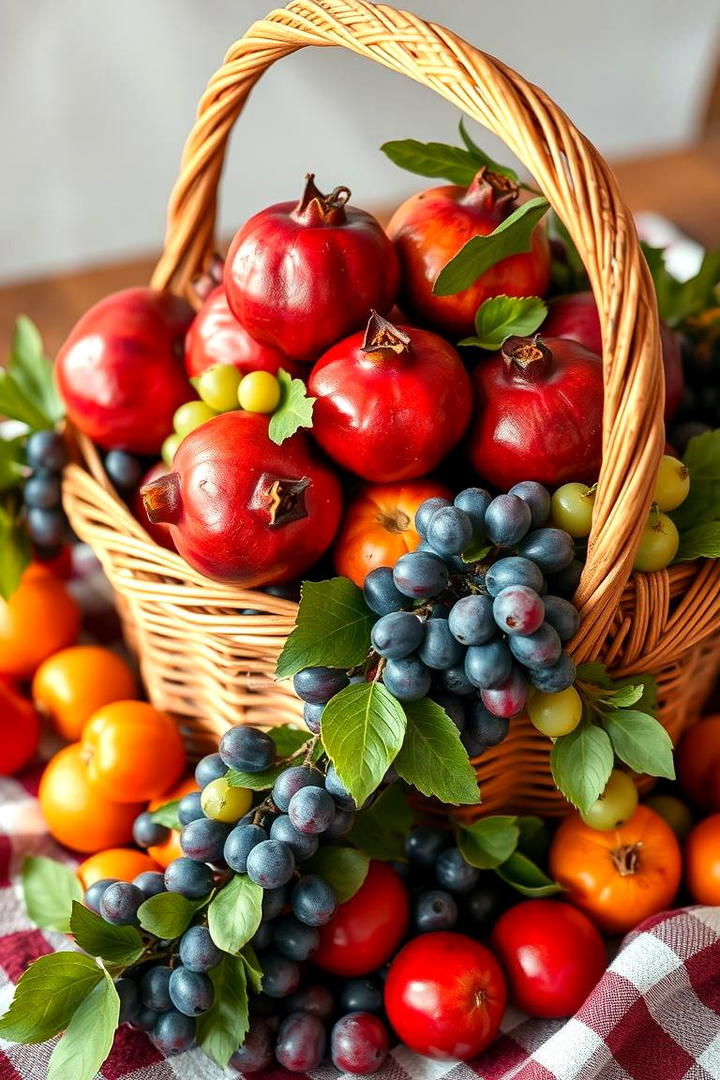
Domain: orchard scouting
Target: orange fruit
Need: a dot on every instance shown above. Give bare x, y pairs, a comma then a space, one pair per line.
74, 683
170, 849
698, 763
702, 861
39, 618
134, 752
120, 863
78, 813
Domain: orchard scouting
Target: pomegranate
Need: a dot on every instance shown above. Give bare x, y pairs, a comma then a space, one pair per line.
430, 228
120, 372
242, 509
391, 402
301, 276
576, 316
159, 531
216, 337
538, 413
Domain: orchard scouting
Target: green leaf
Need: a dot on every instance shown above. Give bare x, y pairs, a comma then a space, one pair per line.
512, 236
702, 458
344, 868
14, 405
252, 968
380, 830
581, 764
294, 411
47, 995
115, 944
534, 839
526, 878
49, 889
432, 757
168, 915
624, 696
15, 550
489, 841
11, 463
678, 300
433, 159
501, 316
700, 542
287, 740
481, 157
568, 274
476, 550
89, 1035
222, 1029
167, 815
640, 741
33, 373
235, 913
362, 731
332, 628
595, 673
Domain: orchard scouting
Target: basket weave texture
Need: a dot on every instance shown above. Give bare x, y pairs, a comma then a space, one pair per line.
207, 650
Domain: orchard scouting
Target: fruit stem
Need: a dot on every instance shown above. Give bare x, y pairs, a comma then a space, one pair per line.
625, 858
316, 209
490, 191
283, 498
382, 339
526, 359
162, 500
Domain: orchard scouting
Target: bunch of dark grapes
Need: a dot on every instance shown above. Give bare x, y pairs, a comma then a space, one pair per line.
699, 409
45, 522
473, 636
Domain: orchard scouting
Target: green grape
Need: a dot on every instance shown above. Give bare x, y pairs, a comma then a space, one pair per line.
221, 802
190, 416
259, 392
659, 543
674, 812
218, 387
555, 714
169, 448
572, 509
672, 484
616, 804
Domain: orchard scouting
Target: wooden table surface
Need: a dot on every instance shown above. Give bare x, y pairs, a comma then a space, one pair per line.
682, 185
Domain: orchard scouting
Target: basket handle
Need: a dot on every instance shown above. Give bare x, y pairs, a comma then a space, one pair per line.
578, 184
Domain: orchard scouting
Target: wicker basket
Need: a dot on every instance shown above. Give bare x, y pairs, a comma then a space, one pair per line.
210, 662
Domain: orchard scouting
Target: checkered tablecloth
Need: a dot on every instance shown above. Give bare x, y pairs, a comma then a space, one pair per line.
654, 1016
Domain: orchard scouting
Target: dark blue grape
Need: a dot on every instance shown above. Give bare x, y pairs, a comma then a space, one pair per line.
311, 810
439, 611
359, 1043
471, 620
313, 900
381, 593
552, 549
485, 904
189, 808
507, 519
294, 939
439, 649
209, 768
396, 635
537, 497
191, 992
566, 581
281, 976
518, 610
291, 781
539, 649
94, 893
150, 883
562, 616
147, 832
474, 747
513, 570
312, 715
240, 842
191, 879
262, 938
270, 864
302, 845
509, 698
408, 679
433, 910
197, 950
423, 844
551, 680
342, 824
425, 511
485, 728
300, 1043
247, 749
339, 792
455, 681
314, 999
124, 469
119, 903
256, 1052
487, 666
46, 450
474, 501
420, 575
46, 528
127, 991
454, 873
42, 491
144, 1019
453, 706
173, 1032
204, 840
362, 995
155, 988
317, 685
449, 531
273, 902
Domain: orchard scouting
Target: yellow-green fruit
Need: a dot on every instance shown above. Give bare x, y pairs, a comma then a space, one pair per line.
659, 543
169, 448
555, 714
674, 812
617, 803
572, 509
259, 392
218, 387
190, 416
672, 484
224, 803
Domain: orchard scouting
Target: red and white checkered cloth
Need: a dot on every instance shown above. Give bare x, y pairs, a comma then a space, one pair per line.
654, 1016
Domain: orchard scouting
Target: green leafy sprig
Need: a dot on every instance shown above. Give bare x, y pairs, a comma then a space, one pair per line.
457, 164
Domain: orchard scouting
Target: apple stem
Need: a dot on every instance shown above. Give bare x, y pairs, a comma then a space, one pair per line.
383, 339
490, 190
527, 359
315, 209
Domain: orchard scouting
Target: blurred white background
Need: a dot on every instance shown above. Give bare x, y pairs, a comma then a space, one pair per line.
96, 98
